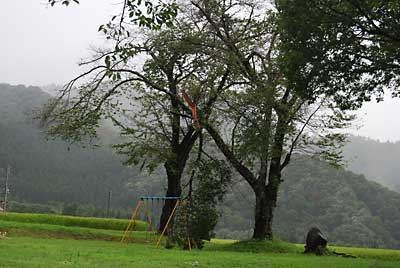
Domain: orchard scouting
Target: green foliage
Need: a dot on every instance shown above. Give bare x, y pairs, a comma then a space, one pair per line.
157, 14
198, 214
352, 46
194, 223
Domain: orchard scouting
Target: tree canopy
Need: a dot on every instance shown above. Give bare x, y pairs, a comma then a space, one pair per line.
353, 45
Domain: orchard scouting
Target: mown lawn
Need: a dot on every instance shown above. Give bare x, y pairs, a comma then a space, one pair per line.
26, 252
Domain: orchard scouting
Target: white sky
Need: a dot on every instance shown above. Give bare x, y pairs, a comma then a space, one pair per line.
42, 45
380, 121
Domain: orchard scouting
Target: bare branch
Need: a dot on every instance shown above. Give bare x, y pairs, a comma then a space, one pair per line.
289, 154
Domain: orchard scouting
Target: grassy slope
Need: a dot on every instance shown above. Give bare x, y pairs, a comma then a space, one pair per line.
89, 222
58, 226
33, 245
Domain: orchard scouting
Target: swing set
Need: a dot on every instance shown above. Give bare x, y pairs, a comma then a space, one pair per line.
151, 204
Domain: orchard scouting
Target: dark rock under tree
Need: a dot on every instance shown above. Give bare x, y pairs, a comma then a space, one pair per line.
315, 242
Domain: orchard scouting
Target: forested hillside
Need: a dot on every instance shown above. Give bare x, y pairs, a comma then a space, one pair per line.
54, 171
349, 209
378, 161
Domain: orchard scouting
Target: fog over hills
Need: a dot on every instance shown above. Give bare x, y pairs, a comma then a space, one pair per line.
378, 161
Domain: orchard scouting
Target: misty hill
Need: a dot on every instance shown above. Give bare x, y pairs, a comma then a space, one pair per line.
351, 209
53, 171
348, 208
378, 161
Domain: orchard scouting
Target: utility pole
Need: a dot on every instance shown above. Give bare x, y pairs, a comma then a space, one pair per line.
6, 190
108, 203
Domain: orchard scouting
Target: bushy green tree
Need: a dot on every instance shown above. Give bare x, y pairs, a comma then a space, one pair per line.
198, 214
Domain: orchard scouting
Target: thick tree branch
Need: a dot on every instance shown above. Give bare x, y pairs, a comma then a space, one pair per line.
242, 169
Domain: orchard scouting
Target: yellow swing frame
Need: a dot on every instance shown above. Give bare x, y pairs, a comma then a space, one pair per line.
141, 202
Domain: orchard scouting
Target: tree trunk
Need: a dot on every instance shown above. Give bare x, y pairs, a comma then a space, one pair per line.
264, 213
174, 168
271, 193
261, 216
266, 199
172, 165
269, 211
174, 190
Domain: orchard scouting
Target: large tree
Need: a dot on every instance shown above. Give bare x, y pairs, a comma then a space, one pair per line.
267, 117
138, 85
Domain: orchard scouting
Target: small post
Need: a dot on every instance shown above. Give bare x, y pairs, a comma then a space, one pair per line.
6, 189
108, 203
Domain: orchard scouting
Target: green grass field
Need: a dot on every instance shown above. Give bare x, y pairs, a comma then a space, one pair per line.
34, 245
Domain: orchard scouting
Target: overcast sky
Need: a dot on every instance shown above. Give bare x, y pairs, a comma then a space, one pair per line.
42, 45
